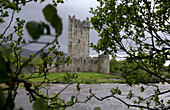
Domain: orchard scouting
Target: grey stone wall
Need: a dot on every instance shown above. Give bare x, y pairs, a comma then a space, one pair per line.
29, 69
78, 64
104, 64
85, 64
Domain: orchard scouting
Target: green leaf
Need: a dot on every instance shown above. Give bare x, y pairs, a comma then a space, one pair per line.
50, 14
11, 104
2, 99
40, 104
168, 102
36, 29
97, 108
142, 89
5, 67
78, 87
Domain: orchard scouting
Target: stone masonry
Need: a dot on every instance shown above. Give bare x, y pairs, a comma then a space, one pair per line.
78, 50
85, 64
78, 37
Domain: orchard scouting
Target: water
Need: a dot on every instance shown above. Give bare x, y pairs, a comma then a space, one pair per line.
101, 90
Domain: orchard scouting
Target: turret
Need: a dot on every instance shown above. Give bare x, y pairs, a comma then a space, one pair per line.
78, 37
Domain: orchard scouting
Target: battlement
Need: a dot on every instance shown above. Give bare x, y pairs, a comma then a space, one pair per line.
78, 23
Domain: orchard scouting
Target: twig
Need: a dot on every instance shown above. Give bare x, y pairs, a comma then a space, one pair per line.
29, 59
12, 17
160, 93
129, 105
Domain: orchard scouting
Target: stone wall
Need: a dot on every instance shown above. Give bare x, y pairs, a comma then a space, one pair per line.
85, 64
78, 64
29, 69
104, 64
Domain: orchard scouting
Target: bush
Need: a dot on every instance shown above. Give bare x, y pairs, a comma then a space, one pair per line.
89, 81
135, 75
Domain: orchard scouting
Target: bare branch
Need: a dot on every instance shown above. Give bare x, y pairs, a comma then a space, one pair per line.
129, 105
12, 17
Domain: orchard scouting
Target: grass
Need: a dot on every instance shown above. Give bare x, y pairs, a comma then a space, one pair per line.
83, 78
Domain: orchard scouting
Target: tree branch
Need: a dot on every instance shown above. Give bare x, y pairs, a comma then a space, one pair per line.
12, 17
129, 105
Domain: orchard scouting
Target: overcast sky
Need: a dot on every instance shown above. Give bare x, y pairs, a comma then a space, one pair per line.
79, 8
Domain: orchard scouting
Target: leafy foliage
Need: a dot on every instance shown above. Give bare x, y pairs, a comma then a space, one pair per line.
5, 66
2, 98
40, 104
135, 75
51, 16
131, 72
115, 66
37, 29
12, 62
139, 29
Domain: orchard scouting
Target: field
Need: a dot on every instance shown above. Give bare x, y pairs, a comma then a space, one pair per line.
84, 78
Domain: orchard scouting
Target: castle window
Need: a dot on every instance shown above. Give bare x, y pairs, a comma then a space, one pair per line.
75, 25
75, 33
71, 27
78, 41
78, 50
78, 69
80, 27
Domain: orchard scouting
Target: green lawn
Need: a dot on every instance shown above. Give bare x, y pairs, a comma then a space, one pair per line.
82, 78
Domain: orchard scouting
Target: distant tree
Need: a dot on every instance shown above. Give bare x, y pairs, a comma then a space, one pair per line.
140, 29
131, 72
114, 66
135, 75
12, 62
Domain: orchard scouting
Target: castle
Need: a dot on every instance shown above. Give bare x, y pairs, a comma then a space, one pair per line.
78, 50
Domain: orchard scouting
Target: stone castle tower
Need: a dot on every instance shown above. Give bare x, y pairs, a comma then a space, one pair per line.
78, 50
78, 38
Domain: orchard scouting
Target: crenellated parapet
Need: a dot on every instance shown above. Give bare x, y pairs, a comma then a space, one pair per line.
79, 25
